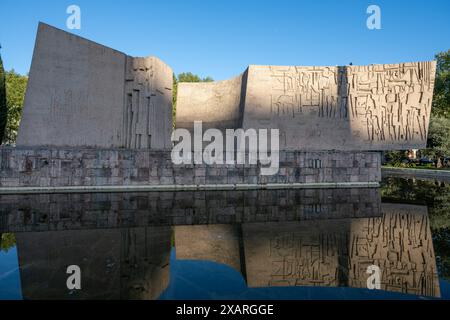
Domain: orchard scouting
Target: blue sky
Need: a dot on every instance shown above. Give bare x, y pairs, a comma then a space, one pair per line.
220, 38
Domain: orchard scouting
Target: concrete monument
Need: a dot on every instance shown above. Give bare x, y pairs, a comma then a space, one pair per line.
94, 116
82, 94
375, 107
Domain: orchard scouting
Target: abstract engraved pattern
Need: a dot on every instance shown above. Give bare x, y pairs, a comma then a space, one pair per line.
337, 253
386, 102
139, 107
309, 90
311, 260
400, 244
392, 101
147, 120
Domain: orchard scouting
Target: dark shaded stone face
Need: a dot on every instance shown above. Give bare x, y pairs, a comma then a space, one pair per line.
53, 212
62, 167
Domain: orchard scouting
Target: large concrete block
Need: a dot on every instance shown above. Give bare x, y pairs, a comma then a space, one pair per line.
216, 104
375, 107
83, 94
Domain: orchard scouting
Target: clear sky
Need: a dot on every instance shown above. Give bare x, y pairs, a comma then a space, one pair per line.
220, 38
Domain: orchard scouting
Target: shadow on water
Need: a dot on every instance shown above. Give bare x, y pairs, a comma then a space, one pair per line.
289, 244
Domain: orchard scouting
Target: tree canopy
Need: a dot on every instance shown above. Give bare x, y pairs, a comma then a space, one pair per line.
16, 85
3, 105
439, 136
438, 143
441, 97
7, 241
190, 77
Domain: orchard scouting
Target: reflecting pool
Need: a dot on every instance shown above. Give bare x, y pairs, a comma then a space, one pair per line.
265, 244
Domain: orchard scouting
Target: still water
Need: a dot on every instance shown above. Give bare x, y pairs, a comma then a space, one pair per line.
266, 244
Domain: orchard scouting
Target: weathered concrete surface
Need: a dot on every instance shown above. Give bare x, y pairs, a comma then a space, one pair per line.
74, 94
147, 119
217, 104
213, 242
375, 107
81, 93
42, 167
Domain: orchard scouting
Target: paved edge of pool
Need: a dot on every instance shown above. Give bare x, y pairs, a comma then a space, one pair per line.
415, 173
200, 187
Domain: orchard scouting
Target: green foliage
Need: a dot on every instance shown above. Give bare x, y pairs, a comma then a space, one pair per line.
442, 251
174, 99
16, 85
7, 241
189, 77
395, 158
3, 105
441, 97
184, 77
439, 136
436, 196
438, 144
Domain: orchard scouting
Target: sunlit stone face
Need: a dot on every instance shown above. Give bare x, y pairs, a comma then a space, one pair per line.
375, 107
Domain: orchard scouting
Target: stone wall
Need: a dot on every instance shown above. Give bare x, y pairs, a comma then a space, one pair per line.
41, 167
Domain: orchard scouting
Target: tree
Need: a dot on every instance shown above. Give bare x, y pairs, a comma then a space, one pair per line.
189, 77
7, 241
3, 105
441, 97
16, 85
174, 100
439, 136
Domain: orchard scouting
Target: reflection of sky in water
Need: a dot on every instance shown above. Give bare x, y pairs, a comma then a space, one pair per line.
9, 275
194, 279
203, 280
223, 251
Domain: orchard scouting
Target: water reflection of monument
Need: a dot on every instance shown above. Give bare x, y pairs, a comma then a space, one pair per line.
286, 238
115, 263
332, 252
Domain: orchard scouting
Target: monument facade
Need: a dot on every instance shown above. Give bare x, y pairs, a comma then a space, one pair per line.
94, 116
375, 107
82, 94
